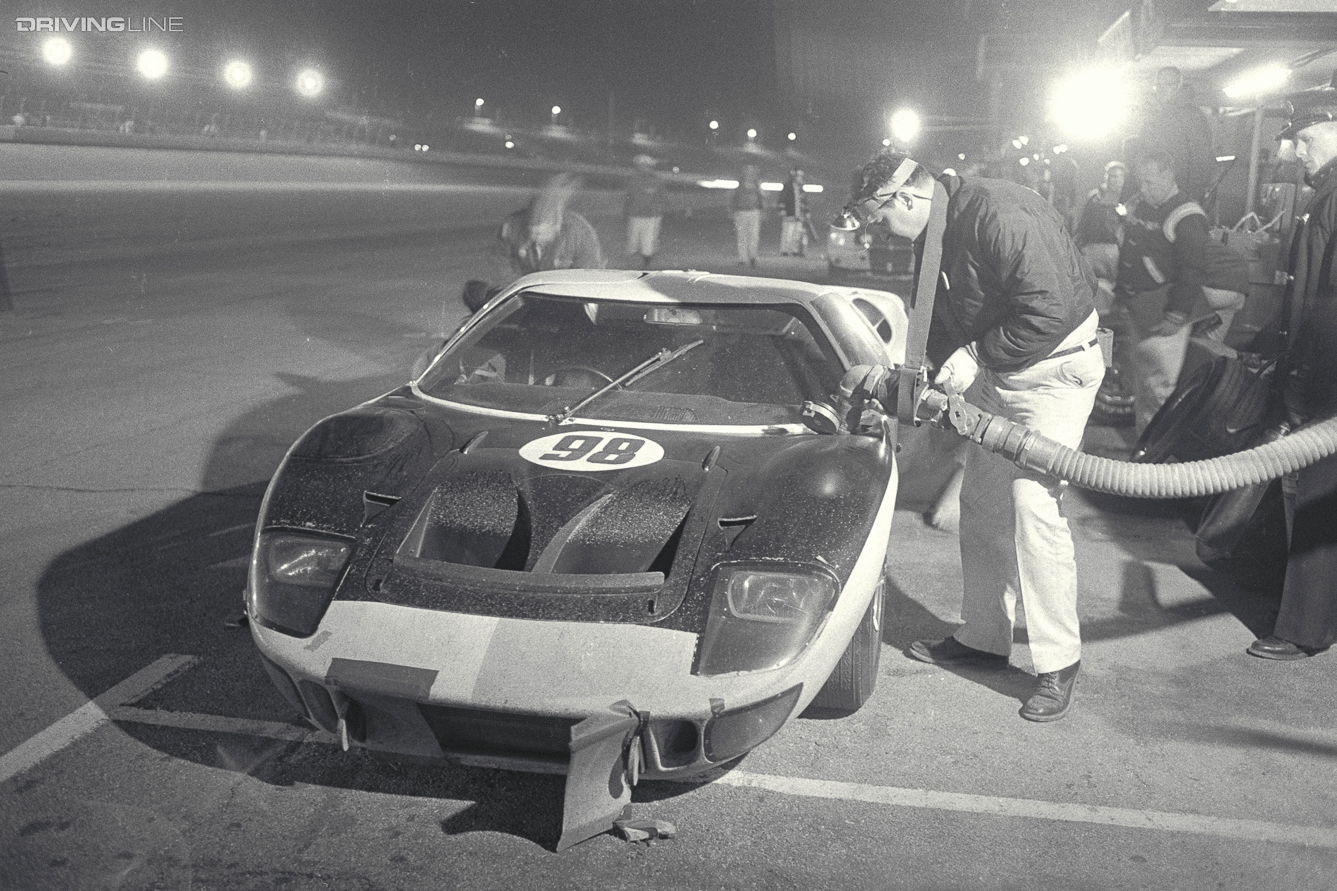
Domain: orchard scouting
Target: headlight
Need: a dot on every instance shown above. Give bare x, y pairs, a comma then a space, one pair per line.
293, 579
762, 615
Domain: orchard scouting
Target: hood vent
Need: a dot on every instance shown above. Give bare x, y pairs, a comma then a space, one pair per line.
482, 519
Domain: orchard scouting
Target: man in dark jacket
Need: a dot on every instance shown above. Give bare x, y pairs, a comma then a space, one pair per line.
1173, 123
1014, 327
646, 201
1171, 276
1307, 621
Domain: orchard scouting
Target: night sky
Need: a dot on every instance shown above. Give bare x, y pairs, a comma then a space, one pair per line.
673, 63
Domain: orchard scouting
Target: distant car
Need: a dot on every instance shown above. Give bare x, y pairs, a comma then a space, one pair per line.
600, 492
869, 253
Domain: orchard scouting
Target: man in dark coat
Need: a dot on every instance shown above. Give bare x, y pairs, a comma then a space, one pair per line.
1014, 327
1307, 621
1173, 123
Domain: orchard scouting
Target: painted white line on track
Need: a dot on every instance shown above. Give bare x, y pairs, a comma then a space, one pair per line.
219, 724
258, 185
91, 715
1245, 830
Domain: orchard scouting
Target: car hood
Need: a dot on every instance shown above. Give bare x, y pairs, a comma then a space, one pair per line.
516, 518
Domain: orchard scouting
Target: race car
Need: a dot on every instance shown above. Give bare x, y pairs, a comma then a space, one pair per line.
597, 536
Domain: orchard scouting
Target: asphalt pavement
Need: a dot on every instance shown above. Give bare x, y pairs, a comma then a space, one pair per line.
150, 390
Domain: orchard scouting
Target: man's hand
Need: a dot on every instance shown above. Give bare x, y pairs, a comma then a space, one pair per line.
1169, 325
960, 369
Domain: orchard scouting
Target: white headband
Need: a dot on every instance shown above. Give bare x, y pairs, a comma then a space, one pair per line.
898, 178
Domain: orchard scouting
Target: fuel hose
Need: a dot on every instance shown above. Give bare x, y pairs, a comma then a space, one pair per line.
1032, 451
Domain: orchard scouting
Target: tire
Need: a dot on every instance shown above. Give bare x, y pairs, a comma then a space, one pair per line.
855, 675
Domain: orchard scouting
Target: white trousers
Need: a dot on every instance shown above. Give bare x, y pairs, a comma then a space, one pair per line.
1158, 360
1015, 541
747, 227
643, 235
793, 237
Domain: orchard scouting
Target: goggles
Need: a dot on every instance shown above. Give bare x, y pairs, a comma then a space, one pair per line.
863, 205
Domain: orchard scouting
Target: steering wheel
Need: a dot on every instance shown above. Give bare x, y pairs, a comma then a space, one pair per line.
552, 379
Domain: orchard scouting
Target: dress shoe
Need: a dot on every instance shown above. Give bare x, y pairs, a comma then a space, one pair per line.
952, 652
1053, 694
1276, 648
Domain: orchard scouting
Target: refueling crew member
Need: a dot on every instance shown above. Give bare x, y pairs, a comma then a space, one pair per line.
1014, 328
1307, 620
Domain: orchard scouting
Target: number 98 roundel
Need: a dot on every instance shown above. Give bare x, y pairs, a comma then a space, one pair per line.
587, 450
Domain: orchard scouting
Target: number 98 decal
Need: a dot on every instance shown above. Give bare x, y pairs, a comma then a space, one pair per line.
592, 450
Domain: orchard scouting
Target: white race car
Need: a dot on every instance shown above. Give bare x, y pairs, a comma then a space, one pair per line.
594, 537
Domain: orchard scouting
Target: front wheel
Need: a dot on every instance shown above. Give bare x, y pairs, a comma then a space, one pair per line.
855, 675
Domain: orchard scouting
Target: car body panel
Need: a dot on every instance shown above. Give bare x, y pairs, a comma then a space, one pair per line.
503, 583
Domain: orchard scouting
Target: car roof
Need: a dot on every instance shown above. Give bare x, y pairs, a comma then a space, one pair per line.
685, 286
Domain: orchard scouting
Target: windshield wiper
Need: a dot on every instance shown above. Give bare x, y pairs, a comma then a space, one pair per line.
654, 363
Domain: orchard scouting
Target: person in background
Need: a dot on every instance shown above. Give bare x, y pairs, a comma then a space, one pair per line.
646, 202
1100, 226
1165, 283
1171, 122
794, 205
543, 235
1016, 332
1307, 620
746, 203
548, 235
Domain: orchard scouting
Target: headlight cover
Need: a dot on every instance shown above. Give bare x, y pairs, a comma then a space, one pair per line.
763, 615
293, 578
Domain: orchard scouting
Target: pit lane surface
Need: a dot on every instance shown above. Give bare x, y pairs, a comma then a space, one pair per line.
165, 350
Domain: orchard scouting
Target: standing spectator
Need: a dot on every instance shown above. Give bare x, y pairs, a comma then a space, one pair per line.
1163, 269
646, 201
1016, 331
793, 228
747, 202
1307, 621
1171, 122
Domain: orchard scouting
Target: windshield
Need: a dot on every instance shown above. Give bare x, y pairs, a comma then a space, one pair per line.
540, 354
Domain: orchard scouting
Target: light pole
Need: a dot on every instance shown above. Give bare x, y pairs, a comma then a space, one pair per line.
152, 64
905, 126
237, 74
310, 83
57, 51
556, 110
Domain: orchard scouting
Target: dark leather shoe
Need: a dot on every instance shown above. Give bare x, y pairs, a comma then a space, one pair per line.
1275, 648
1053, 694
952, 652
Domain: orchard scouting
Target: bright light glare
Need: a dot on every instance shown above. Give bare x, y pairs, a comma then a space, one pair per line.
310, 83
152, 64
905, 125
478, 103
714, 125
812, 187
772, 187
793, 136
751, 134
1258, 81
1090, 103
57, 50
557, 109
237, 74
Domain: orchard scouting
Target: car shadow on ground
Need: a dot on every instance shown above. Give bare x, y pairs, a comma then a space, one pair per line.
171, 583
